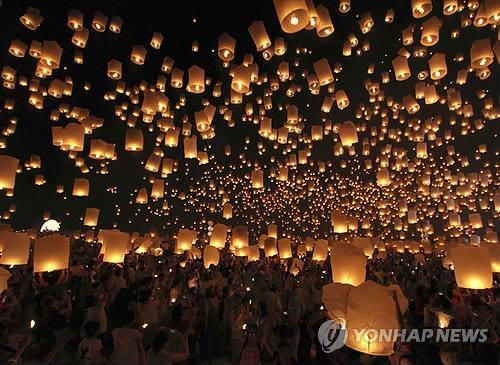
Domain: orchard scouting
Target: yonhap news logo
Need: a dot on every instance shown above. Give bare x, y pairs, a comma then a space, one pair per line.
332, 335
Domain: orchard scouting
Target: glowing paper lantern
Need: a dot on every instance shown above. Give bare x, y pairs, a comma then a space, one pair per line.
285, 248
241, 79
348, 264
481, 54
134, 139
91, 217
371, 307
15, 248
114, 245
270, 248
219, 235
272, 231
32, 18
253, 253
472, 267
210, 256
437, 66
335, 297
383, 177
348, 134
239, 237
81, 187
320, 252
364, 243
257, 179
190, 147
185, 239
420, 8
339, 221
51, 253
323, 72
115, 69
227, 45
325, 26
196, 80
293, 15
8, 168
51, 54
259, 35
401, 68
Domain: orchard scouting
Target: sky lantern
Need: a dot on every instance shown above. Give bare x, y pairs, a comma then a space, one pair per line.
227, 211
344, 6
450, 7
481, 54
8, 168
420, 8
364, 243
239, 237
257, 179
253, 253
325, 26
472, 267
15, 248
339, 221
75, 20
341, 99
437, 66
401, 69
320, 252
285, 248
32, 18
383, 177
348, 264
226, 47
115, 24
51, 253
51, 54
335, 297
241, 79
91, 217
219, 235
210, 256
371, 307
196, 80
114, 245
185, 239
270, 248
134, 140
99, 21
156, 40
348, 134
158, 188
323, 72
259, 35
18, 48
430, 32
81, 187
190, 147
293, 15
115, 69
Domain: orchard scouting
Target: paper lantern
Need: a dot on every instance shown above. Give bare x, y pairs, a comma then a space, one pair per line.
134, 140
364, 243
8, 169
293, 15
401, 69
32, 18
18, 48
341, 99
227, 45
241, 79
344, 6
437, 66
450, 7
115, 69
320, 252
371, 308
348, 134
335, 297
383, 177
186, 239
51, 253
430, 32
51, 54
15, 248
196, 80
210, 256
156, 40
325, 26
99, 21
253, 253
323, 72
142, 196
481, 54
472, 267
420, 8
239, 237
138, 54
257, 179
80, 38
272, 231
81, 187
348, 264
115, 25
285, 248
219, 235
91, 217
494, 251
259, 35
365, 22
270, 248
339, 222
475, 221
114, 245
158, 189
75, 20
190, 147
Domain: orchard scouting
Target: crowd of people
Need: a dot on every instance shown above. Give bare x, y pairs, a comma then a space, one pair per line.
170, 310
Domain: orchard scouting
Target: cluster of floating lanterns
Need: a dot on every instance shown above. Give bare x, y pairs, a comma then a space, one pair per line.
393, 178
